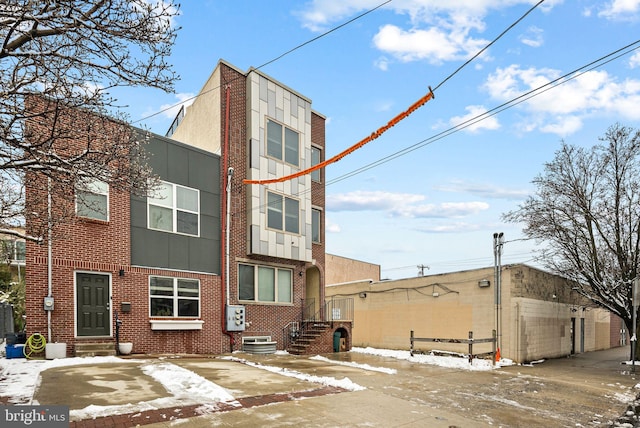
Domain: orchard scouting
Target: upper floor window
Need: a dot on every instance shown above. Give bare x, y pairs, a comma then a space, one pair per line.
265, 284
316, 216
92, 199
174, 297
283, 143
175, 209
283, 213
315, 160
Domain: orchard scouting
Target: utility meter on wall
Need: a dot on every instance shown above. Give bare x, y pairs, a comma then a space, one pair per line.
48, 303
235, 318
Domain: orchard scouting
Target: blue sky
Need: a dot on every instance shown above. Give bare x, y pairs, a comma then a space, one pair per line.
439, 204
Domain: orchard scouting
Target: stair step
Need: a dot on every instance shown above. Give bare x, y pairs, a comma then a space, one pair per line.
89, 349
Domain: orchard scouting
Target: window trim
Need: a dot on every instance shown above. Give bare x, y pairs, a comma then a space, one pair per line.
283, 212
276, 287
283, 142
176, 298
174, 209
93, 187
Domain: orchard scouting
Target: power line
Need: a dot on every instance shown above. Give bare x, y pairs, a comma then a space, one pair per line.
494, 111
429, 96
612, 56
272, 60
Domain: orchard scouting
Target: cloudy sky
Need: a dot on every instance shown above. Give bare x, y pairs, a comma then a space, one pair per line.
432, 190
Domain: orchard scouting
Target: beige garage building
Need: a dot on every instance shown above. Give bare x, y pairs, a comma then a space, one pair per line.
540, 316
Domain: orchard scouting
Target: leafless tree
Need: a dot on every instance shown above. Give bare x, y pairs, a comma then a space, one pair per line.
586, 208
59, 126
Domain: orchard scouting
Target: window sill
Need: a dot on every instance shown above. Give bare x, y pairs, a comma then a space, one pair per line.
176, 324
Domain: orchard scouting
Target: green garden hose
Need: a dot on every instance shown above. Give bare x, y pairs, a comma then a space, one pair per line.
35, 345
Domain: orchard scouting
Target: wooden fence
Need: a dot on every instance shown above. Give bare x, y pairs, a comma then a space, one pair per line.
470, 341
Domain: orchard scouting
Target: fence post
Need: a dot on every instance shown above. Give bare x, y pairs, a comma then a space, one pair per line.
470, 346
494, 346
411, 348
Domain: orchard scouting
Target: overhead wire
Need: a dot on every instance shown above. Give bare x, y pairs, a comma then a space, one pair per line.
395, 120
494, 111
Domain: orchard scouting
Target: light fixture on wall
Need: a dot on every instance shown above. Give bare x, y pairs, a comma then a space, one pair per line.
121, 272
484, 283
362, 294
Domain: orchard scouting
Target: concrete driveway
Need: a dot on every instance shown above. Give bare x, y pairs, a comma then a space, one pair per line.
586, 390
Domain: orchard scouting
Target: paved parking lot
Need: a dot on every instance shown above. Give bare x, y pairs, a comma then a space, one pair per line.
591, 389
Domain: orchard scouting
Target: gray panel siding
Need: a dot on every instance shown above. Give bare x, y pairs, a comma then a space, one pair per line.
187, 166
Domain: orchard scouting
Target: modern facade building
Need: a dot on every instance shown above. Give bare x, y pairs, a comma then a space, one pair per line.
208, 261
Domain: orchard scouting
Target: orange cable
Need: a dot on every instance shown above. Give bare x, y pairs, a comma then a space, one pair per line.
353, 148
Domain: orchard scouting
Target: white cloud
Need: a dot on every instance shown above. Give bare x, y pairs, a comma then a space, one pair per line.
401, 205
434, 44
533, 37
382, 63
484, 190
361, 200
621, 9
436, 31
634, 61
489, 122
171, 110
331, 227
562, 109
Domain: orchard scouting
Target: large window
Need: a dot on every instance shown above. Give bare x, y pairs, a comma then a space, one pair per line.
92, 200
316, 216
175, 209
283, 143
265, 284
174, 297
315, 160
283, 213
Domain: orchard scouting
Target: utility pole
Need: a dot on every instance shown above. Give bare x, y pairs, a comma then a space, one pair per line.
498, 242
422, 268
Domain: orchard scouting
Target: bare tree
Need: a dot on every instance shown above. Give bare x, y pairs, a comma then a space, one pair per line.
587, 210
58, 61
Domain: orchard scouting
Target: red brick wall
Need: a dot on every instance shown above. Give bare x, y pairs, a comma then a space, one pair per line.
104, 247
263, 319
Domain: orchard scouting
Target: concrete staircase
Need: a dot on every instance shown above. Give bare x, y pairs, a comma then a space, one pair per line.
88, 349
312, 332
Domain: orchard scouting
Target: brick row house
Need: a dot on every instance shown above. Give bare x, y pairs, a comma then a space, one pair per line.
207, 260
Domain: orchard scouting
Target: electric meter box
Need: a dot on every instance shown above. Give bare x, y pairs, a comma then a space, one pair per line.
235, 318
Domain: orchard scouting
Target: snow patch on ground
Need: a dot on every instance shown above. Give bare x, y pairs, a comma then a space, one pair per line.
344, 383
355, 365
442, 361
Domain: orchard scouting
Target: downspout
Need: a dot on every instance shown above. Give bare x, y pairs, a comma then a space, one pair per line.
49, 256
226, 203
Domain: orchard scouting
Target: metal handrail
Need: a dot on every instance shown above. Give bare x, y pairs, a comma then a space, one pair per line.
334, 309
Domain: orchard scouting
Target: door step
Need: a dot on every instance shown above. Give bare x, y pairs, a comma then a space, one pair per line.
95, 349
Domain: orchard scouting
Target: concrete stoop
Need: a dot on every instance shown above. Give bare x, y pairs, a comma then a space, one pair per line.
89, 349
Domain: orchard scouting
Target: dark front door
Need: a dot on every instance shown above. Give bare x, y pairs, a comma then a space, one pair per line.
92, 303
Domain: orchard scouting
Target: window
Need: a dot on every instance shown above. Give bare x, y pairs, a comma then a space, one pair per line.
92, 199
283, 213
175, 209
265, 284
316, 216
12, 250
315, 160
174, 297
282, 143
